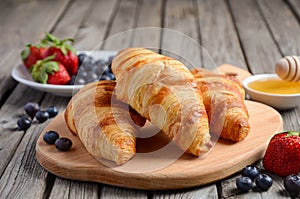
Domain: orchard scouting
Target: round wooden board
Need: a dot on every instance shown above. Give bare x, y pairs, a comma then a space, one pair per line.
187, 171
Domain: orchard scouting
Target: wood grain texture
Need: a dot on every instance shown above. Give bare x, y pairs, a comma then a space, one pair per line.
224, 160
9, 114
295, 7
63, 188
180, 39
218, 35
284, 26
96, 23
149, 37
120, 33
260, 49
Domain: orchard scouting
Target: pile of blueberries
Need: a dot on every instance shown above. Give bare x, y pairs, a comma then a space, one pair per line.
34, 111
91, 70
251, 174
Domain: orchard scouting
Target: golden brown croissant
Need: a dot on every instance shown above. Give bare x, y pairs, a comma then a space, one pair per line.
165, 92
223, 97
104, 127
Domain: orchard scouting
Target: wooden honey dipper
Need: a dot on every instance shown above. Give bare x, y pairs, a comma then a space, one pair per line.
288, 68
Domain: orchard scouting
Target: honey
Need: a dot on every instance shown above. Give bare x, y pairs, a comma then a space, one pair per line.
275, 86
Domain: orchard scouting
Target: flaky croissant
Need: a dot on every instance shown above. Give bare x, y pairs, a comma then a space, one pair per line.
223, 96
104, 125
165, 92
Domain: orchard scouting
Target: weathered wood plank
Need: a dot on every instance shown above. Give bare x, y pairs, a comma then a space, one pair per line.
24, 177
150, 18
284, 26
93, 29
69, 23
295, 7
259, 47
9, 114
181, 38
218, 35
74, 189
120, 33
115, 192
23, 22
209, 191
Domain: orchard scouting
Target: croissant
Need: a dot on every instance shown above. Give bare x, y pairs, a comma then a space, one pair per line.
223, 97
104, 125
164, 91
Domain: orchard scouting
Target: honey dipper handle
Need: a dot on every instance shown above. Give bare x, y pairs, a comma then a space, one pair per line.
288, 68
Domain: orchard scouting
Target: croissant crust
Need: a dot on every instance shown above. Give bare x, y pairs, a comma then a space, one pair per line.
103, 124
223, 97
165, 92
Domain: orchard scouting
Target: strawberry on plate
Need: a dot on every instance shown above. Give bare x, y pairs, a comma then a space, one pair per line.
283, 154
64, 53
32, 53
51, 72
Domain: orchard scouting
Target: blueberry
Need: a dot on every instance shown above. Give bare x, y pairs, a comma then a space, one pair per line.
105, 77
250, 171
31, 108
109, 68
244, 184
50, 137
292, 185
63, 144
110, 59
80, 81
24, 123
52, 110
81, 58
263, 182
100, 63
42, 116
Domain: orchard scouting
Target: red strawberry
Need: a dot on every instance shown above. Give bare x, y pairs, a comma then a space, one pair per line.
51, 72
60, 77
31, 54
64, 53
283, 154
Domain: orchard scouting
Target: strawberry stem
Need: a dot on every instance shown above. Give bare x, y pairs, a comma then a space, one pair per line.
291, 133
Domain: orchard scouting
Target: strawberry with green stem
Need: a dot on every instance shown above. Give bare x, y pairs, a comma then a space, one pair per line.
51, 72
32, 53
283, 154
64, 53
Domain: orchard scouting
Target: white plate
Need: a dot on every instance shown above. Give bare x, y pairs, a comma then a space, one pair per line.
278, 101
22, 75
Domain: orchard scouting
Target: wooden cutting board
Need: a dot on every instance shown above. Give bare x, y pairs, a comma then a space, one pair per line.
163, 170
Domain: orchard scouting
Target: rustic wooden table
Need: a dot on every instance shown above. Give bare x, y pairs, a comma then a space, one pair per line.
250, 34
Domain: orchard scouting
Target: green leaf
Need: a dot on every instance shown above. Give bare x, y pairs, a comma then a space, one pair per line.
43, 77
70, 48
51, 67
49, 58
25, 53
63, 49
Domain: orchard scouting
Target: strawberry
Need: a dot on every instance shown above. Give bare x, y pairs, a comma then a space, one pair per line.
283, 154
60, 77
51, 72
32, 53
64, 53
